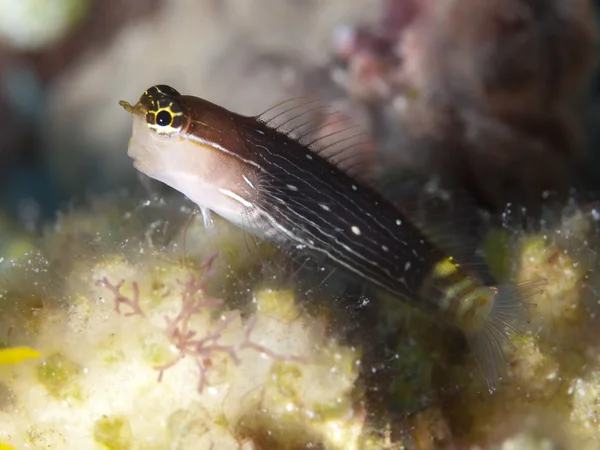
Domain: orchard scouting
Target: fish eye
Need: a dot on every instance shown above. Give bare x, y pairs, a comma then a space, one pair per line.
164, 118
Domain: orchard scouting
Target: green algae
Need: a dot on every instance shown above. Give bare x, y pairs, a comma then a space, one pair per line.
111, 352
277, 303
114, 433
413, 370
285, 376
59, 375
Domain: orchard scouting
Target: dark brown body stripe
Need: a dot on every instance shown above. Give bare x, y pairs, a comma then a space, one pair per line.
332, 214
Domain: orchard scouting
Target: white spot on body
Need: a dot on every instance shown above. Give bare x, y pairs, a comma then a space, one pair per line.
291, 187
356, 230
398, 222
325, 207
385, 248
309, 156
260, 132
407, 266
354, 187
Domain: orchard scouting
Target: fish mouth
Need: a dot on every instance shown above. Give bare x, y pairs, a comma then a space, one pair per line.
138, 163
135, 153
135, 160
141, 156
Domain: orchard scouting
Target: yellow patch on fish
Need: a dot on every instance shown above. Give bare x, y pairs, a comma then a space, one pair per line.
16, 355
6, 447
445, 268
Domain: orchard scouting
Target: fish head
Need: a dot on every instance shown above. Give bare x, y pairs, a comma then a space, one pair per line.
160, 122
189, 144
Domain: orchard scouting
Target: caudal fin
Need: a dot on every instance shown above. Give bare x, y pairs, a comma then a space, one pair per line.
508, 313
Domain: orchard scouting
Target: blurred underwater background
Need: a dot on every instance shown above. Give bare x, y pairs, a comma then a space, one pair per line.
105, 274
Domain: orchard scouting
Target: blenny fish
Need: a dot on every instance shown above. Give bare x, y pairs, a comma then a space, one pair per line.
281, 188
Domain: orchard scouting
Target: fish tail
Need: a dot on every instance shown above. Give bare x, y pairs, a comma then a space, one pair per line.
506, 312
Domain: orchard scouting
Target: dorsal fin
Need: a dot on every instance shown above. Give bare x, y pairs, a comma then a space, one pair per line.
447, 215
327, 131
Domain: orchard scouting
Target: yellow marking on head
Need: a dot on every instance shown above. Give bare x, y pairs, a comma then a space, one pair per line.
166, 119
159, 105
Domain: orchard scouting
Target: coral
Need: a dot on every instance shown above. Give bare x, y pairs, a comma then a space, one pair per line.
131, 340
123, 330
551, 380
113, 433
132, 326
479, 92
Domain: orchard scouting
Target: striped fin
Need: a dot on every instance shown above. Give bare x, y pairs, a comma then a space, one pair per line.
507, 310
485, 314
326, 131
